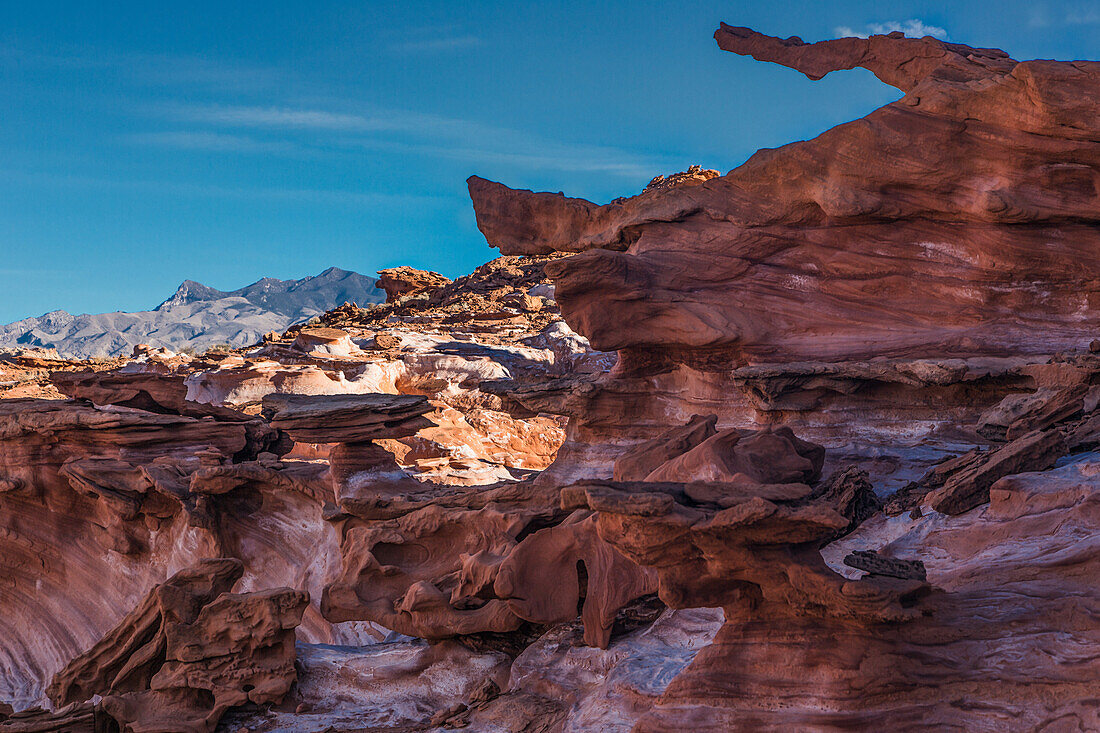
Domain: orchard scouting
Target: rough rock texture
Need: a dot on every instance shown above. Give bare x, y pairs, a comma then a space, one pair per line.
694, 175
743, 542
899, 291
401, 281
1004, 647
959, 220
346, 418
397, 686
645, 458
731, 456
436, 565
189, 651
841, 473
164, 459
94, 494
27, 372
934, 243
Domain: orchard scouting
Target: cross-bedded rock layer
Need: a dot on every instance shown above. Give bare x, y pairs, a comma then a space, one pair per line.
160, 461
835, 420
189, 652
960, 220
895, 290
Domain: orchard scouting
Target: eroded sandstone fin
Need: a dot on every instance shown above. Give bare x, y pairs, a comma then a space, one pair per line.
896, 60
189, 651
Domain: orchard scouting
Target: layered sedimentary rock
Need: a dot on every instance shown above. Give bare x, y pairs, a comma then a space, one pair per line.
946, 241
839, 472
346, 418
1005, 646
189, 652
959, 220
898, 290
163, 459
402, 281
100, 503
437, 565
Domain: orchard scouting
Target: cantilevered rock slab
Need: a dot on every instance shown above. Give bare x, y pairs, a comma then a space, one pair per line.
161, 393
352, 418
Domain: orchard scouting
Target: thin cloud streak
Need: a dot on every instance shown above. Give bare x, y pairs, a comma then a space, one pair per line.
282, 129
413, 133
546, 155
149, 69
212, 142
1083, 17
356, 198
1078, 15
437, 45
276, 117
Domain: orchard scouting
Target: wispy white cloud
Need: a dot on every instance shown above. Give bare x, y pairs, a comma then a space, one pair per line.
211, 141
436, 45
327, 124
273, 117
913, 28
147, 69
1083, 16
533, 154
52, 179
406, 132
335, 118
428, 39
1038, 17
1078, 14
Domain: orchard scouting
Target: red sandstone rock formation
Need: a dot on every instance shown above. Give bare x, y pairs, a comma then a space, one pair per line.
693, 176
437, 564
346, 418
151, 391
190, 651
99, 504
876, 306
401, 281
959, 220
889, 290
999, 649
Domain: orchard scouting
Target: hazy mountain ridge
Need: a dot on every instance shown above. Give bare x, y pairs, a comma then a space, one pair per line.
196, 316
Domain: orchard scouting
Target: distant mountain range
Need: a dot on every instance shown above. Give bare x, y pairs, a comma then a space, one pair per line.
196, 316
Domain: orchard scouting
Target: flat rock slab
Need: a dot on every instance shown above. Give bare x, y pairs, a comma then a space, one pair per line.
346, 418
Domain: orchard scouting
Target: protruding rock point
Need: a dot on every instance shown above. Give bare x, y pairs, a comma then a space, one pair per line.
399, 282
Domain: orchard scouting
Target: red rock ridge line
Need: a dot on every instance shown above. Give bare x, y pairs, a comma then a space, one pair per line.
958, 221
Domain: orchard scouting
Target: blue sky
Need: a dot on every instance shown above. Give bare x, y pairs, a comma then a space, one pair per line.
145, 143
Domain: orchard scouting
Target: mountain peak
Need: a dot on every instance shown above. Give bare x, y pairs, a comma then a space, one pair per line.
197, 315
190, 291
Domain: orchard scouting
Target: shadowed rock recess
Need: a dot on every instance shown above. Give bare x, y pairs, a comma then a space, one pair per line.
810, 446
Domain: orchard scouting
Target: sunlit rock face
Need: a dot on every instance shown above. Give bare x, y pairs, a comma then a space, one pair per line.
880, 284
901, 290
958, 221
153, 463
832, 467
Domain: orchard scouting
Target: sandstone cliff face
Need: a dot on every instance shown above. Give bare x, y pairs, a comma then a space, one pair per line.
840, 472
893, 290
923, 257
958, 221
